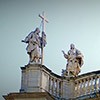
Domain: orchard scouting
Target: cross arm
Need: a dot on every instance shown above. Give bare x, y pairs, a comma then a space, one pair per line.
42, 17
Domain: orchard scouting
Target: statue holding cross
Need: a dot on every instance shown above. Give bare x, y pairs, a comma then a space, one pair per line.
36, 43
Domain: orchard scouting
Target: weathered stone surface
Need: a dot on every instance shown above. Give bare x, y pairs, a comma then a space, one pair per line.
29, 96
37, 79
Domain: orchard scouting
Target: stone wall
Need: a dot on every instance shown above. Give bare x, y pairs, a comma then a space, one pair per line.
40, 79
29, 96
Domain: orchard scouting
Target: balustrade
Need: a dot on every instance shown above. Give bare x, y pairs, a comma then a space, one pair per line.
42, 79
88, 84
55, 86
84, 85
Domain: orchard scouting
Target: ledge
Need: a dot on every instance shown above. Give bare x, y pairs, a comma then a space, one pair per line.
41, 66
13, 96
89, 73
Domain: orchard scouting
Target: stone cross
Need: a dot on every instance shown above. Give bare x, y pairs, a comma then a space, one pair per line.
43, 21
43, 30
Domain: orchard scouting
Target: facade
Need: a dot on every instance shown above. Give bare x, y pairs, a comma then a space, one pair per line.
40, 83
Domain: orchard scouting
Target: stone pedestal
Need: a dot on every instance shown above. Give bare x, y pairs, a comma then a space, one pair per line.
34, 78
68, 87
30, 78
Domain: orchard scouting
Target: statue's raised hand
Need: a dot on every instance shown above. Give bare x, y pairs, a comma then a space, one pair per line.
63, 52
65, 55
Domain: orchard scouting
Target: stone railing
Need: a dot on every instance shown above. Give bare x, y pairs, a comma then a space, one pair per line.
38, 78
53, 83
87, 84
55, 86
84, 86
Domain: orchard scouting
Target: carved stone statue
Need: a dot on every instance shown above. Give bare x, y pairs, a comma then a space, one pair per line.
74, 60
33, 48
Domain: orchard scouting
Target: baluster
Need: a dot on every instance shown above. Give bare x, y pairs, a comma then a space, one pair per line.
81, 87
92, 85
49, 84
57, 88
97, 83
52, 86
88, 86
75, 93
78, 88
60, 89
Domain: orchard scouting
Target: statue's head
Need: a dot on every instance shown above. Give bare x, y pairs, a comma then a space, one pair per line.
72, 46
37, 30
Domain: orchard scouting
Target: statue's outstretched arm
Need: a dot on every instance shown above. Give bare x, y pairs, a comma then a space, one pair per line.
22, 41
65, 55
26, 40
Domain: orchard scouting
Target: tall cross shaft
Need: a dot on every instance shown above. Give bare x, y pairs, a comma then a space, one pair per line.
43, 30
43, 21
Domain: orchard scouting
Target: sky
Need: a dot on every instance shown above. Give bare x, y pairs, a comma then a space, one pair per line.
70, 21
